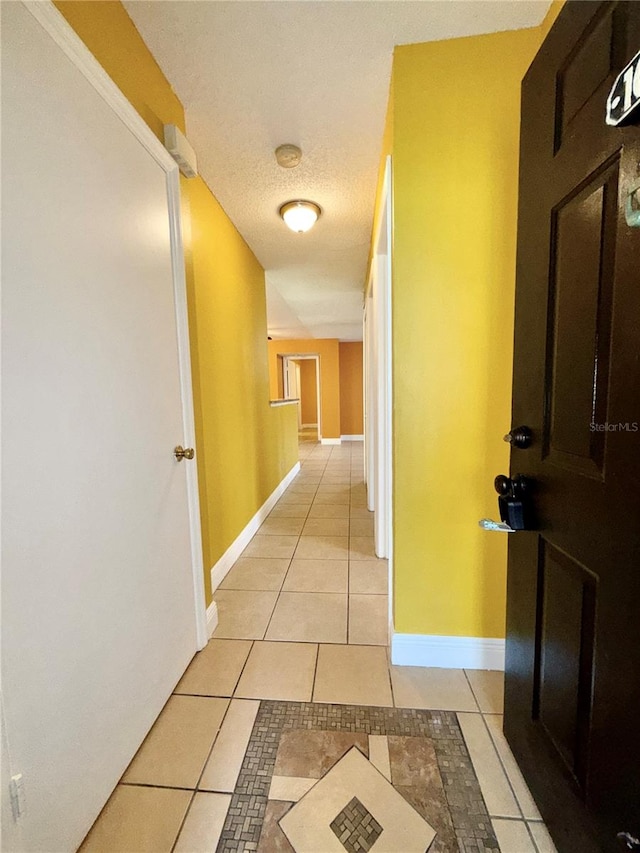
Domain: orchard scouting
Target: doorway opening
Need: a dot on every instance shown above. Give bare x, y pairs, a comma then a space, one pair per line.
301, 382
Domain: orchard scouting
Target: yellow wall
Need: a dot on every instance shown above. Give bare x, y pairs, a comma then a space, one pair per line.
455, 133
327, 349
244, 447
387, 150
109, 33
351, 416
308, 391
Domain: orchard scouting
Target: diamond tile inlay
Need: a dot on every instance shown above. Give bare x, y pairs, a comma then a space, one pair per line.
356, 828
431, 772
308, 824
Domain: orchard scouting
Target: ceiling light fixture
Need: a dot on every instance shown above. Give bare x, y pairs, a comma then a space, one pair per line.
300, 215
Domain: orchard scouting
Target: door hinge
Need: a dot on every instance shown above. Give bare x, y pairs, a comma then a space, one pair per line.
17, 796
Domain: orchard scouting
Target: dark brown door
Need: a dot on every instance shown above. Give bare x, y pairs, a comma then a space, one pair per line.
572, 710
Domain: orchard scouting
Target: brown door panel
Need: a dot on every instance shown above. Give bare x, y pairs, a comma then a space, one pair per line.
572, 696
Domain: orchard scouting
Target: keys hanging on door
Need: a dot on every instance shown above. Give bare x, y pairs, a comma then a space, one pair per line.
629, 841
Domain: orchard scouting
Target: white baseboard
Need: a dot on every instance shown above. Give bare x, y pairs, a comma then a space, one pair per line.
224, 564
212, 618
309, 426
329, 441
352, 437
449, 652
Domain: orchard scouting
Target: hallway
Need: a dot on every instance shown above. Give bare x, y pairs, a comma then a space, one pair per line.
310, 575
296, 689
190, 665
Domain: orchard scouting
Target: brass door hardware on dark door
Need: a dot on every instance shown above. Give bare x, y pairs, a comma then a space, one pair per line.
181, 453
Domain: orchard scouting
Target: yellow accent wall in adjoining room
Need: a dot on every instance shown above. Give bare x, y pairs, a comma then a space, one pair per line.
327, 349
351, 403
455, 135
244, 447
308, 391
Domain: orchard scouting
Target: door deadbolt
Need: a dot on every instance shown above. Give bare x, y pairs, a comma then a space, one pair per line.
519, 437
180, 453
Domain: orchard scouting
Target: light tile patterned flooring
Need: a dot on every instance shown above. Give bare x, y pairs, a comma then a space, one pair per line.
303, 617
310, 573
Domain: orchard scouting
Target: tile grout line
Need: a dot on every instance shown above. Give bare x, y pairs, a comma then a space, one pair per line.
502, 765
242, 668
206, 761
393, 695
315, 672
473, 692
504, 770
215, 740
184, 820
500, 761
195, 790
155, 785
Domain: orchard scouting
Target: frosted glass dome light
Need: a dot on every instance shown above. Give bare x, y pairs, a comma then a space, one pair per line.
300, 216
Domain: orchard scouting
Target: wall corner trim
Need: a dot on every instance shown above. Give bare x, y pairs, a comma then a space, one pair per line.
352, 438
330, 441
212, 618
225, 563
450, 652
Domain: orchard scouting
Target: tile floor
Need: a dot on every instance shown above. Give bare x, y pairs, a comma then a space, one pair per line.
303, 618
310, 574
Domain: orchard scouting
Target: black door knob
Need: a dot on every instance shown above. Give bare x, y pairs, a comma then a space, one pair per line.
520, 437
514, 501
515, 487
502, 484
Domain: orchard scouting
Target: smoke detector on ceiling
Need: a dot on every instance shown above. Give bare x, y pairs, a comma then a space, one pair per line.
288, 155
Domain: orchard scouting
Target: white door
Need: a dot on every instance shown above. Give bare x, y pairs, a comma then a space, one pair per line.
98, 616
291, 379
292, 384
299, 395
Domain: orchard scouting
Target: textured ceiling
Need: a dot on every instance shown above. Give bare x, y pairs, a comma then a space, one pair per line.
253, 75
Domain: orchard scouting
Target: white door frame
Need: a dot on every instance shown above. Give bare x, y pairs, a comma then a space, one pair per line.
290, 386
369, 402
65, 37
307, 357
378, 366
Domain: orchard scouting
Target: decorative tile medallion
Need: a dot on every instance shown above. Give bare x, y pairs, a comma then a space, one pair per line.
355, 827
411, 788
307, 825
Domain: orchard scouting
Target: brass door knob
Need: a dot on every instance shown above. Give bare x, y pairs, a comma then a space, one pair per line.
180, 453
